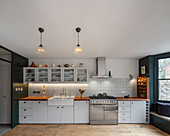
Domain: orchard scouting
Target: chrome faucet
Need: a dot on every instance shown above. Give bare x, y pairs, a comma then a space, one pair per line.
64, 91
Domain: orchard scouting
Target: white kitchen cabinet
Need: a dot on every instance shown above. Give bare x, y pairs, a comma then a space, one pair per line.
39, 109
54, 114
60, 114
81, 111
56, 75
25, 111
67, 114
81, 75
68, 75
132, 112
43, 75
138, 111
30, 74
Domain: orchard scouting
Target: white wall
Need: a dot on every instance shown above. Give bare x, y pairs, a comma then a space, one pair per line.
120, 68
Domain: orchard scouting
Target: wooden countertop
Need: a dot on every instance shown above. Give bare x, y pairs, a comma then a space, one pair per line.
42, 98
85, 98
131, 99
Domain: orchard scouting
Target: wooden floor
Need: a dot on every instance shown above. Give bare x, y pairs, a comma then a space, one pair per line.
86, 130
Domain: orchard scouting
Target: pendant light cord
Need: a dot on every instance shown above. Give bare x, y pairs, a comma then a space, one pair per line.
40, 38
78, 38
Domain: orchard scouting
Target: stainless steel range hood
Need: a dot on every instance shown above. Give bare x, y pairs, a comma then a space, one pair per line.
101, 68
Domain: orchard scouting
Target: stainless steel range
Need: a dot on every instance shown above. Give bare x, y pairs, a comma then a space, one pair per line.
103, 110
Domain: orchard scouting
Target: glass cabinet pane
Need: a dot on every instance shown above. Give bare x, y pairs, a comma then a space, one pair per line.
81, 75
68, 75
42, 75
55, 75
30, 75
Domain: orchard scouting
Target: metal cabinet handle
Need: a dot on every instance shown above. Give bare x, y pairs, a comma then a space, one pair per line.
39, 102
57, 107
24, 117
132, 102
24, 109
62, 107
25, 102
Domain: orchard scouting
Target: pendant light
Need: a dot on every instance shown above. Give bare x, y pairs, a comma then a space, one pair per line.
41, 48
78, 49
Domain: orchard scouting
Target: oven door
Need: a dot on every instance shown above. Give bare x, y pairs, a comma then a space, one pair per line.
111, 114
96, 113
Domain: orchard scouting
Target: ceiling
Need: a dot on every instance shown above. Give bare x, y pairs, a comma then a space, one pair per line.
116, 29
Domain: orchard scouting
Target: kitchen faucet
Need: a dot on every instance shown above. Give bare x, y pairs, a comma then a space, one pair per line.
64, 91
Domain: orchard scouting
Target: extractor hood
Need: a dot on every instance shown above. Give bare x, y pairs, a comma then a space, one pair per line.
101, 68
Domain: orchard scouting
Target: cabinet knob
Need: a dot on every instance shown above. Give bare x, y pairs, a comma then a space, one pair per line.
123, 102
24, 109
24, 117
132, 102
39, 102
123, 108
57, 107
62, 107
25, 102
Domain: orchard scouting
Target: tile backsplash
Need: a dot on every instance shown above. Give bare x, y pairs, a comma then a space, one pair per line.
117, 87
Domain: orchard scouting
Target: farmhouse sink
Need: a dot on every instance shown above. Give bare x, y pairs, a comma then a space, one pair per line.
61, 100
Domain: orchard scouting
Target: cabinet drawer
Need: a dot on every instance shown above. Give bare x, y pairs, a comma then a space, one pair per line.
25, 111
25, 119
124, 114
124, 103
124, 120
124, 109
24, 104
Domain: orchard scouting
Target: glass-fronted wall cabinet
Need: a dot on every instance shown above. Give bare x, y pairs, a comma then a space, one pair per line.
81, 75
56, 75
42, 75
30, 75
68, 75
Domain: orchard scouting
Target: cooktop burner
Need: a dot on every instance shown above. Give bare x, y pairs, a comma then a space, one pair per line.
102, 97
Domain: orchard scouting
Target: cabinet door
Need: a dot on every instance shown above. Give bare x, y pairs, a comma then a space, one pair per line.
81, 112
138, 111
42, 75
53, 114
56, 75
68, 75
29, 75
66, 114
81, 75
39, 111
5, 113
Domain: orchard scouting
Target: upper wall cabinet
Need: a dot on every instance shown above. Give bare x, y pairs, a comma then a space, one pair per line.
81, 75
69, 75
43, 75
29, 75
55, 75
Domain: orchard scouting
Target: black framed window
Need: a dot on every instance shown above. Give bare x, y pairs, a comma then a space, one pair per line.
164, 79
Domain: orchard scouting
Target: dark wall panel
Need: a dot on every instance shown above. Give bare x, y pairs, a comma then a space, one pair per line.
144, 62
18, 62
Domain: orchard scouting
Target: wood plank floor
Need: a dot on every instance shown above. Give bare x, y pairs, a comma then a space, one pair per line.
86, 130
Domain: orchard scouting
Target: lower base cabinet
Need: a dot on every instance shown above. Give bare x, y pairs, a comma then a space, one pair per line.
60, 114
81, 111
132, 112
39, 111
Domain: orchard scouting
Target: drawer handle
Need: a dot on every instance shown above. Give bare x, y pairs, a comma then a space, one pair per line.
57, 107
24, 109
62, 107
24, 117
25, 102
39, 102
132, 102
123, 102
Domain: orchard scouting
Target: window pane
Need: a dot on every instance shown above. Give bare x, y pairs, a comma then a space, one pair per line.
164, 90
164, 68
